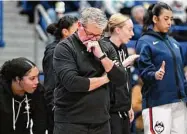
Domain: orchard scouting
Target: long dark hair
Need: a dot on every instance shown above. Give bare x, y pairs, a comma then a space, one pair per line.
154, 9
17, 67
64, 23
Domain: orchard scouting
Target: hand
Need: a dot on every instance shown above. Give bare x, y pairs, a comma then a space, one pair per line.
130, 60
93, 46
105, 77
160, 73
131, 114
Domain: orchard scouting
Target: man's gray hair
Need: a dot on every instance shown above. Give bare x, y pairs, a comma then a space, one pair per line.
94, 15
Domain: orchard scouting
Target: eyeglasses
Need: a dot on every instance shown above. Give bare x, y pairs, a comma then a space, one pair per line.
88, 33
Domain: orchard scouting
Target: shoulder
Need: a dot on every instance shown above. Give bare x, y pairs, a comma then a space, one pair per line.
3, 86
105, 45
68, 43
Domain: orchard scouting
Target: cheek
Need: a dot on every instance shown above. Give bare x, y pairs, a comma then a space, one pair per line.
28, 86
124, 35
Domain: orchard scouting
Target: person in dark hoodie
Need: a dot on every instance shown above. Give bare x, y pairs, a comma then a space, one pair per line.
66, 26
21, 98
120, 29
83, 68
161, 68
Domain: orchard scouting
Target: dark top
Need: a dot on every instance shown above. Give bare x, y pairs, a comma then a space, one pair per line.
73, 66
9, 107
121, 95
49, 74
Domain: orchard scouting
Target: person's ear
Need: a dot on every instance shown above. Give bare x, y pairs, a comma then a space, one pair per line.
65, 33
79, 24
155, 19
18, 79
117, 29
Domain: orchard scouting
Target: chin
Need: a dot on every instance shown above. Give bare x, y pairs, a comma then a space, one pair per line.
31, 91
125, 42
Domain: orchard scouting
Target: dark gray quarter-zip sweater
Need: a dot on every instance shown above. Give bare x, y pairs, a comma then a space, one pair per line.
73, 66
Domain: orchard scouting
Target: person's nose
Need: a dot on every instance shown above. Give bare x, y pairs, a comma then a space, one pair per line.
169, 22
132, 33
36, 80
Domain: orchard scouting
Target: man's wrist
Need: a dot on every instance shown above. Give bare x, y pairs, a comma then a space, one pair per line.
103, 56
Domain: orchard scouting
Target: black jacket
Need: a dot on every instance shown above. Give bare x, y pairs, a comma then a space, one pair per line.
49, 75
73, 66
9, 111
121, 95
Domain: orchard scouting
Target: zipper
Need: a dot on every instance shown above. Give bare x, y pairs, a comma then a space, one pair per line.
175, 67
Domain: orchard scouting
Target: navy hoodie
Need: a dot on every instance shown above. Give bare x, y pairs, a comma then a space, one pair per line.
153, 49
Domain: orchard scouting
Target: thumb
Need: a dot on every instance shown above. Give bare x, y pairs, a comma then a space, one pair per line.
163, 65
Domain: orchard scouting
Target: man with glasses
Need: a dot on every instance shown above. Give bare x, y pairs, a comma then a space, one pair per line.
83, 68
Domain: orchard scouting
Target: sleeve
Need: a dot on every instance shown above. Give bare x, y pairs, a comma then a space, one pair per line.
39, 113
117, 74
66, 69
49, 76
6, 124
144, 63
183, 51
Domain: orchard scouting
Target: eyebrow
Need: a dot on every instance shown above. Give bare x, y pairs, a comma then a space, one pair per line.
168, 17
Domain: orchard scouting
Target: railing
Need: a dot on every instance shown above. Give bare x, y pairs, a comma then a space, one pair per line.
2, 43
39, 32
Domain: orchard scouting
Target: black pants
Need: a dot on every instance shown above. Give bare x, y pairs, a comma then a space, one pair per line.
68, 128
120, 123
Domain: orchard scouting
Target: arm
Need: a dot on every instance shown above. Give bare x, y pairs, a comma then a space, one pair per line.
49, 75
97, 82
116, 74
67, 72
145, 66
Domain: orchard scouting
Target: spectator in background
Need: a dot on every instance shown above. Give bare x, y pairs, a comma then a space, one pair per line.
161, 69
66, 26
21, 98
120, 28
137, 14
179, 9
83, 69
28, 9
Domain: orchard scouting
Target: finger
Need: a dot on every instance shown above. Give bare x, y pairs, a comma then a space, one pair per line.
163, 65
161, 70
132, 118
136, 56
160, 77
161, 73
89, 46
